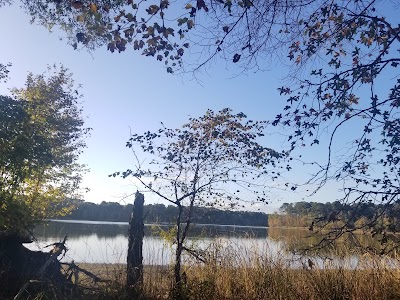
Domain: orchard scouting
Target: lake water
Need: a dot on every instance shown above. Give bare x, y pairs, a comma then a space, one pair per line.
107, 242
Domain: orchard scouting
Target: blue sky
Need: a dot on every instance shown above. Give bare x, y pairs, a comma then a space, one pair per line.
125, 91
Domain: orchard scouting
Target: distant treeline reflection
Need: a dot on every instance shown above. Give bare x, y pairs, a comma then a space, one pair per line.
159, 213
298, 240
59, 229
293, 239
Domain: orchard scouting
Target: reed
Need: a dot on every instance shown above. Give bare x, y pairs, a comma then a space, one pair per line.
235, 271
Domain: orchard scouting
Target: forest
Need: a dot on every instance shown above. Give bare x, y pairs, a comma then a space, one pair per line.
159, 213
337, 214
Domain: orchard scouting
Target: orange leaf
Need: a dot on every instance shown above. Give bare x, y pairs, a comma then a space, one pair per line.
93, 7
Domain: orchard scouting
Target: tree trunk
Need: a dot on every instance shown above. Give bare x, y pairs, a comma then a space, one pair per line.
179, 246
178, 258
135, 244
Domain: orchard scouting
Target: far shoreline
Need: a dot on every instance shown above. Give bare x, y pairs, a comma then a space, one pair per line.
94, 222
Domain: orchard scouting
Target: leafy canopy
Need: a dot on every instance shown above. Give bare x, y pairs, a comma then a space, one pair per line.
343, 57
352, 92
41, 136
210, 161
235, 30
197, 161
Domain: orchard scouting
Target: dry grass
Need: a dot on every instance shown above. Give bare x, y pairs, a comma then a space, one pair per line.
274, 282
234, 272
242, 273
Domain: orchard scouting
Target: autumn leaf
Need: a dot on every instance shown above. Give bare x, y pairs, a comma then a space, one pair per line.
93, 8
190, 24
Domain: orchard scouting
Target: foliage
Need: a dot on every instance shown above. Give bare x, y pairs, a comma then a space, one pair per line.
41, 138
161, 214
343, 56
4, 72
289, 221
352, 44
243, 274
244, 32
377, 220
239, 31
353, 94
206, 162
4, 2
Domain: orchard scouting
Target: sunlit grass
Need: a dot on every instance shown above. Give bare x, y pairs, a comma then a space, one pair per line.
239, 271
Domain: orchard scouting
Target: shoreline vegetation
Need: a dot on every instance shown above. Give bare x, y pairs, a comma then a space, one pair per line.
241, 274
291, 215
353, 216
231, 272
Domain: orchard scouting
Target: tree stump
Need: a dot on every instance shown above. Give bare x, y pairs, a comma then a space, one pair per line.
135, 245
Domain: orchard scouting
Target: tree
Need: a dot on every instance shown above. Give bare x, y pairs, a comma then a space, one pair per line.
343, 57
235, 30
213, 160
4, 72
350, 89
41, 136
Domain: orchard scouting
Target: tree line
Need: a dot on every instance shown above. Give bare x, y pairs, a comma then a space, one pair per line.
159, 213
338, 214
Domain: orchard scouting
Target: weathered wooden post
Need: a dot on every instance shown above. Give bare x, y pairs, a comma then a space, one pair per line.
135, 244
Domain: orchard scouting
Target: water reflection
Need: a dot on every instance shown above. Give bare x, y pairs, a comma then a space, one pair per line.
297, 240
106, 242
74, 229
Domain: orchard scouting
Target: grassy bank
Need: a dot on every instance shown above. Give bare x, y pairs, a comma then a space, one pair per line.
244, 275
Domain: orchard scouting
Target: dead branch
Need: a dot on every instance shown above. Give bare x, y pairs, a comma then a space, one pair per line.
75, 268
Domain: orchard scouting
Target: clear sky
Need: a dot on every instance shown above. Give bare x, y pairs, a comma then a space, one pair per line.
125, 91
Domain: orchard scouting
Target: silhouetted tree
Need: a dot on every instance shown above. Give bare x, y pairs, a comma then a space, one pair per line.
206, 162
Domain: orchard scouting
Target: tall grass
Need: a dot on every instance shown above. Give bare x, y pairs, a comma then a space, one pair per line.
236, 271
241, 273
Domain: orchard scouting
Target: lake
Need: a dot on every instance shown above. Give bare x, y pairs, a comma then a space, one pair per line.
107, 242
